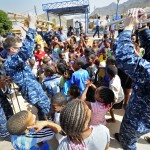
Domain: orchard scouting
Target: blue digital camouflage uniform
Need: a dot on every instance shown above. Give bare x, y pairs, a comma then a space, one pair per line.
5, 113
20, 73
3, 121
136, 120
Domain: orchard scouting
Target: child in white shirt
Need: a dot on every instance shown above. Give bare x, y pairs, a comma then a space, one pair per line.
115, 86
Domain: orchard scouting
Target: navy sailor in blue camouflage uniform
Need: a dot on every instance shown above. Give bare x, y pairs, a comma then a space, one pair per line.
20, 73
136, 121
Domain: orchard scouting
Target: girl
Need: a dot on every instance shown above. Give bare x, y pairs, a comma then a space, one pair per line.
56, 47
74, 121
104, 98
95, 44
39, 54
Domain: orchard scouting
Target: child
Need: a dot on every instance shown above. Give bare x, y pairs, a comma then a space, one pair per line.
61, 69
47, 61
115, 86
73, 92
72, 48
74, 120
80, 75
92, 70
40, 73
51, 82
62, 58
104, 97
66, 53
47, 51
58, 102
72, 58
126, 81
39, 54
95, 44
67, 84
33, 67
100, 79
23, 127
103, 57
86, 44
56, 47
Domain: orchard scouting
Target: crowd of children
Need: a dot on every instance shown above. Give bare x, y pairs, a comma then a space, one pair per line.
73, 84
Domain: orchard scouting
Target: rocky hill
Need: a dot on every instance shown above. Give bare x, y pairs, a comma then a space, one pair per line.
111, 9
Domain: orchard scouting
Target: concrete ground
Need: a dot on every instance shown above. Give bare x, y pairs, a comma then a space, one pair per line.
113, 127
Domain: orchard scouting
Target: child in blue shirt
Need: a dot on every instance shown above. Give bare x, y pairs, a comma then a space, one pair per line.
51, 82
28, 134
67, 84
80, 75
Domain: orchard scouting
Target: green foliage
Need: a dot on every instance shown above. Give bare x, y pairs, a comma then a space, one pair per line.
5, 23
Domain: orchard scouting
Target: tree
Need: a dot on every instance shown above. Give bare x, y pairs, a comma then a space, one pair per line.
5, 23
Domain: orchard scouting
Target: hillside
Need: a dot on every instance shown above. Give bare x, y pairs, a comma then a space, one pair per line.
111, 9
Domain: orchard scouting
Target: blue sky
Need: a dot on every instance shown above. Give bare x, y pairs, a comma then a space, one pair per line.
25, 6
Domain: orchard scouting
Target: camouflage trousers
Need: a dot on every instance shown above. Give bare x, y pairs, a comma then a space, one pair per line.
136, 122
5, 113
3, 121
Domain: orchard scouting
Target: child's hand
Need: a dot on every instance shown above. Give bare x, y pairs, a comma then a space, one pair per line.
88, 83
38, 126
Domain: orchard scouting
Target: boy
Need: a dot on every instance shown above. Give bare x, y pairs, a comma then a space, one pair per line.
51, 81
23, 127
58, 102
92, 70
80, 75
115, 86
67, 84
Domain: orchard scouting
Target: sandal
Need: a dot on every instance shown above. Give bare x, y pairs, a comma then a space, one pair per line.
147, 139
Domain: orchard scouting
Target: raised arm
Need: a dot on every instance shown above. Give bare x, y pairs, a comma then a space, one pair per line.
28, 45
49, 124
88, 84
134, 66
83, 96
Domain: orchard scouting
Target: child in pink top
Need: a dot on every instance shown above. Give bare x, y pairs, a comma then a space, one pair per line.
104, 98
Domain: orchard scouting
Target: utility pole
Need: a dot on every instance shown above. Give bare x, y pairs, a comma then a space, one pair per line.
35, 10
117, 9
94, 9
